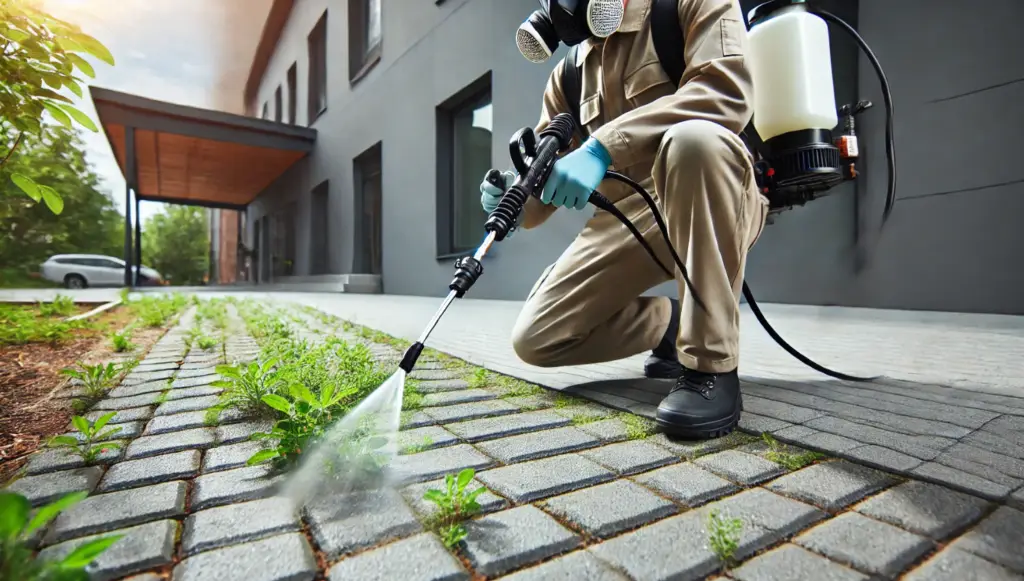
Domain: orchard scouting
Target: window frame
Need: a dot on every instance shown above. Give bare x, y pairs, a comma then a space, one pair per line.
316, 46
362, 59
446, 175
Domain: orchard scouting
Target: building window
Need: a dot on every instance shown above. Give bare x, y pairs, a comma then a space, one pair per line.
364, 37
278, 105
292, 76
266, 113
317, 43
464, 128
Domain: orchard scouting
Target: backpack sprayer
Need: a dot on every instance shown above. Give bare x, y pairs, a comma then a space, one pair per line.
797, 160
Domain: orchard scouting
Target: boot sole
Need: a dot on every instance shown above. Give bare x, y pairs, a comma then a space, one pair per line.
664, 369
704, 431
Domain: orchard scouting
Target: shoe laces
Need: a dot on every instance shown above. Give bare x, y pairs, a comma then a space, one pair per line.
697, 381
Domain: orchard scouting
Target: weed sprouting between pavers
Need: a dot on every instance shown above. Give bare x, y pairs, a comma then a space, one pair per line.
724, 537
121, 341
509, 386
455, 504
18, 561
92, 442
94, 381
781, 455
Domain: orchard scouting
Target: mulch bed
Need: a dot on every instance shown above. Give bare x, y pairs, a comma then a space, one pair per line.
30, 381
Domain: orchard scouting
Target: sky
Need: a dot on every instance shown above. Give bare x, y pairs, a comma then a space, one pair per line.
162, 49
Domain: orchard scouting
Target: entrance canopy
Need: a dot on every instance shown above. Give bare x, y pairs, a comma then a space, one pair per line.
186, 155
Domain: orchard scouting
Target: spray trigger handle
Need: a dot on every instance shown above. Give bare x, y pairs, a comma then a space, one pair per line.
496, 179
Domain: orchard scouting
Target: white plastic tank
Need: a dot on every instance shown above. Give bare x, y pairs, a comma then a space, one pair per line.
792, 69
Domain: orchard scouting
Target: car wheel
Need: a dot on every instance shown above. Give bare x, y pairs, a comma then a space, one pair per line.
74, 281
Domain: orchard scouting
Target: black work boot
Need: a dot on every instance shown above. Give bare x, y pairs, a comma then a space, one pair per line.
701, 405
663, 363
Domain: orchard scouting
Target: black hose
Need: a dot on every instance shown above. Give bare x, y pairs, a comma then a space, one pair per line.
890, 145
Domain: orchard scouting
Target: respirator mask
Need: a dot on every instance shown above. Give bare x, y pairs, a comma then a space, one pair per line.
567, 21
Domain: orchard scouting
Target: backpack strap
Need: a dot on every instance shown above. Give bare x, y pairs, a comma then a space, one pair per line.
668, 40
571, 85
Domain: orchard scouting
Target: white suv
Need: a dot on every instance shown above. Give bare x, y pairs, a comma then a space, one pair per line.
85, 270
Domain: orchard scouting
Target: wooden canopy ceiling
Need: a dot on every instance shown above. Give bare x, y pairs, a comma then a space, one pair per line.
187, 155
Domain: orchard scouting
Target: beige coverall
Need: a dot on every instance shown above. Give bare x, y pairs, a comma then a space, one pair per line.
682, 141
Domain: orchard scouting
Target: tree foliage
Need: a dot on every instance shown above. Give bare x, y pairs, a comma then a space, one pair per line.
39, 57
176, 243
30, 232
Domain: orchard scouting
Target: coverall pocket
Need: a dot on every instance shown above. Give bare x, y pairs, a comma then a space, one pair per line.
647, 84
590, 113
760, 216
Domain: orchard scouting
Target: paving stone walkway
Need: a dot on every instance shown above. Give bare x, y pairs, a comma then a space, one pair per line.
948, 407
575, 491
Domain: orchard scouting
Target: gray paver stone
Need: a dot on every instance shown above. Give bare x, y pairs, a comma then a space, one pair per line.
686, 483
46, 488
121, 416
512, 538
198, 382
758, 424
157, 364
150, 470
286, 557
442, 385
956, 565
249, 483
469, 411
114, 510
576, 565
431, 464
416, 419
124, 403
884, 458
691, 449
134, 389
630, 457
454, 397
346, 523
433, 374
827, 442
832, 485
1016, 499
537, 444
963, 480
418, 558
925, 508
175, 422
531, 402
238, 523
125, 430
791, 563
200, 391
998, 538
241, 431
143, 376
613, 430
673, 548
141, 547
765, 510
536, 479
865, 544
746, 469
190, 404
510, 425
608, 509
488, 501
170, 442
585, 410
231, 456
207, 371
425, 438
51, 460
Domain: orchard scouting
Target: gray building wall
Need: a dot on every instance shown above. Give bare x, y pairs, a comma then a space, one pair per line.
433, 51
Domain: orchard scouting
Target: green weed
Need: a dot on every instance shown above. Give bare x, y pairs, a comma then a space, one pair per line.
412, 398
637, 427
245, 386
724, 537
455, 504
18, 560
581, 419
205, 342
563, 400
419, 446
62, 306
91, 443
783, 456
94, 380
20, 325
122, 341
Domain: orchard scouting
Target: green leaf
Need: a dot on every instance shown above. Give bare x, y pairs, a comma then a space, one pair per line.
465, 477
60, 116
48, 512
434, 495
13, 514
71, 84
15, 34
83, 65
81, 424
262, 456
68, 44
88, 552
27, 185
82, 118
63, 441
52, 199
103, 420
277, 402
93, 47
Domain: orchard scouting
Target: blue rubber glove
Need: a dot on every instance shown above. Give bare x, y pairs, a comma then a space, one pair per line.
576, 176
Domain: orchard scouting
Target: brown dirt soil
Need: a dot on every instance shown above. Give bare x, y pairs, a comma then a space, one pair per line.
31, 409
